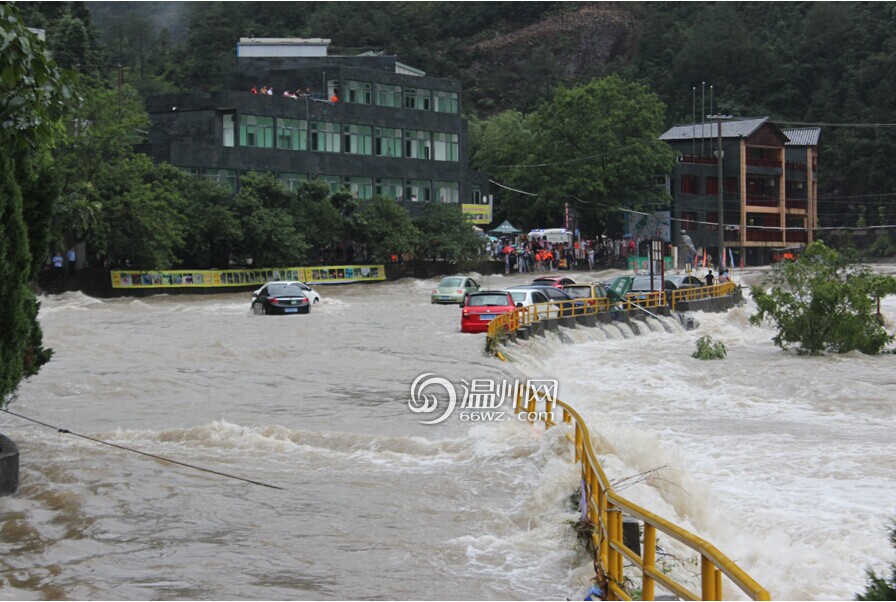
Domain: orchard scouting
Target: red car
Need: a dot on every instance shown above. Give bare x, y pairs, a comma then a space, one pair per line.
555, 281
480, 308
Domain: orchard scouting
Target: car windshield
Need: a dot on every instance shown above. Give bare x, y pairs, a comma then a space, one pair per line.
518, 296
482, 300
642, 283
450, 282
579, 292
285, 290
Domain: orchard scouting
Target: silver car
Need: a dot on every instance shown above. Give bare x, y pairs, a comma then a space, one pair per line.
454, 290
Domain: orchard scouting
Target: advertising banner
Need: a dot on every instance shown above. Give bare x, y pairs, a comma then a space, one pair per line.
477, 214
226, 278
643, 263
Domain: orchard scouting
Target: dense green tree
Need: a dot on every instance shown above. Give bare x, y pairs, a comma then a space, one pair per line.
824, 301
141, 225
445, 233
319, 219
381, 228
212, 227
881, 587
593, 146
270, 236
32, 100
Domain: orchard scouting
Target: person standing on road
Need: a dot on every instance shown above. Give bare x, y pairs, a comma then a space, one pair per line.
687, 252
72, 259
57, 262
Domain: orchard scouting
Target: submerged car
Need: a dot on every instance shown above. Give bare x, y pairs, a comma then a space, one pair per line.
482, 307
680, 281
588, 293
280, 299
563, 301
555, 281
313, 295
453, 289
527, 297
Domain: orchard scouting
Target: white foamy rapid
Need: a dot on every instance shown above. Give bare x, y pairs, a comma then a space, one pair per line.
785, 463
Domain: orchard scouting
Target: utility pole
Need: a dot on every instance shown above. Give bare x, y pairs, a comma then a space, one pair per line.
720, 187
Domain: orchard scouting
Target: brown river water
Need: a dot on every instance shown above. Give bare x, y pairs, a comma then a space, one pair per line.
787, 464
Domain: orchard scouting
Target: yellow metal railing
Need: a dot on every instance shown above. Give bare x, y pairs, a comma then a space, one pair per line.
524, 316
605, 510
701, 292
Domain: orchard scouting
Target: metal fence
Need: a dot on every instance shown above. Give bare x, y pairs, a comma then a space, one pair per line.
604, 514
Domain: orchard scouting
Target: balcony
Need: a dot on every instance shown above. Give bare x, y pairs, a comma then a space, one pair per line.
795, 166
698, 159
797, 236
763, 235
762, 200
795, 204
763, 162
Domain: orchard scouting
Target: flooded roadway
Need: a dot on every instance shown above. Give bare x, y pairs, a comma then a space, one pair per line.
376, 505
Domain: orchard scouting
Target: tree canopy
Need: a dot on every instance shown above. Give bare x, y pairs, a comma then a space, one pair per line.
824, 301
32, 100
594, 147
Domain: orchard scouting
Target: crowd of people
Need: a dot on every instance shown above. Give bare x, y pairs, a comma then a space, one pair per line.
523, 255
299, 93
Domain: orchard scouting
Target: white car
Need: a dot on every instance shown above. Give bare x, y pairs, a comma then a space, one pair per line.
313, 295
525, 298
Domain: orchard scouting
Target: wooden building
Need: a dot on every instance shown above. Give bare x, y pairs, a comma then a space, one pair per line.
769, 186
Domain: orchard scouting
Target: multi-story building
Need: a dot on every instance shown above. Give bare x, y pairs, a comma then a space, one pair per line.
768, 184
366, 122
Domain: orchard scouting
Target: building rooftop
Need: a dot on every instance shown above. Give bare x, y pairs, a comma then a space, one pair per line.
287, 41
802, 136
734, 128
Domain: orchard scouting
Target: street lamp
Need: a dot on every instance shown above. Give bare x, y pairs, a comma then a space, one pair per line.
720, 187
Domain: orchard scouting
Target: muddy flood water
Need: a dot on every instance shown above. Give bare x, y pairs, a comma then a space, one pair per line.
785, 463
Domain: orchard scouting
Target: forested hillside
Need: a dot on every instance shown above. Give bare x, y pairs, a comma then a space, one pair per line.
823, 63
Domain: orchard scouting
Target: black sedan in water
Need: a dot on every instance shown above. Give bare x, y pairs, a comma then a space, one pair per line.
280, 299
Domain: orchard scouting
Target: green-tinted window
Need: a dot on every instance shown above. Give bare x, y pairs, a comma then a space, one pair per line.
416, 98
447, 192
190, 171
444, 102
357, 139
389, 188
359, 92
227, 128
334, 182
361, 188
223, 177
445, 146
256, 131
292, 180
388, 96
292, 134
325, 137
387, 142
417, 190
417, 144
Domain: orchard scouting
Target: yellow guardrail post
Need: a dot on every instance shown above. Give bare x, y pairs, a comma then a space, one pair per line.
649, 561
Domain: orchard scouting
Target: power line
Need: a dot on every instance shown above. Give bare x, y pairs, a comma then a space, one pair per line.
691, 221
838, 125
142, 453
